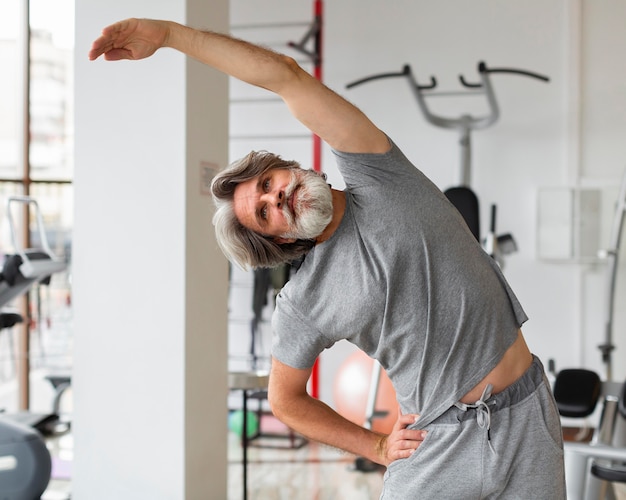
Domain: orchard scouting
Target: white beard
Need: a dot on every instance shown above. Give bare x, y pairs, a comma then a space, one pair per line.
313, 205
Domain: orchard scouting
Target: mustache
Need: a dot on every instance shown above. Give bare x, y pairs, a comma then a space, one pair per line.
299, 180
289, 192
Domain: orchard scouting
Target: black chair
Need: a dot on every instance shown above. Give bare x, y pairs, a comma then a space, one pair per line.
590, 464
577, 391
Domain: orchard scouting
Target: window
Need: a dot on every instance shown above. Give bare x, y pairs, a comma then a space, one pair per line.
36, 159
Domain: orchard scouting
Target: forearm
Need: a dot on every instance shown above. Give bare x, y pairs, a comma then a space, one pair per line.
317, 421
247, 62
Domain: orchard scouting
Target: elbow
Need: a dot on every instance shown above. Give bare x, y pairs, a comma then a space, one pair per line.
275, 403
285, 405
290, 76
287, 392
291, 65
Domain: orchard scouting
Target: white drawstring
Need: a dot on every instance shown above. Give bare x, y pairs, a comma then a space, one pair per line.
483, 412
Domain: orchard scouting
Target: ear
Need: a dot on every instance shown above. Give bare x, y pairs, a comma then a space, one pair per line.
282, 241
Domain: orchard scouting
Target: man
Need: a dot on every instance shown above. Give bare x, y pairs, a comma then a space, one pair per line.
390, 266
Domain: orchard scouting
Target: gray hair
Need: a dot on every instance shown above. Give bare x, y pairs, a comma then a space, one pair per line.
240, 244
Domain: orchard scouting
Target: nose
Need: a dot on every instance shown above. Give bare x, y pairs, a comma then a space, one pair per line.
276, 198
280, 199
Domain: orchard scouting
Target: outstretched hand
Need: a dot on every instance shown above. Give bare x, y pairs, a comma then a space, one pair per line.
130, 39
402, 442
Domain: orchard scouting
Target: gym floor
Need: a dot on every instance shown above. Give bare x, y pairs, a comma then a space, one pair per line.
276, 470
309, 472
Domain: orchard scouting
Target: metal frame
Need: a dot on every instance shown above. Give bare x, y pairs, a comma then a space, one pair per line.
465, 123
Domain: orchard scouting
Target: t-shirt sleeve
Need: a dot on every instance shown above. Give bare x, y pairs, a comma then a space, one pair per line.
294, 342
371, 169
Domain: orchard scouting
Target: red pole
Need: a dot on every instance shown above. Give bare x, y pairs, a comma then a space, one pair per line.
317, 73
317, 154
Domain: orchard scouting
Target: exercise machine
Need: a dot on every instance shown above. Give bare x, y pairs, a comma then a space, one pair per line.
462, 196
589, 465
612, 256
25, 463
20, 272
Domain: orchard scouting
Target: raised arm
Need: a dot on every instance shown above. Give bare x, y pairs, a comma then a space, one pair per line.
325, 113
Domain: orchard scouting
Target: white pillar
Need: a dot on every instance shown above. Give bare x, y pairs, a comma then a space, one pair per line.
149, 284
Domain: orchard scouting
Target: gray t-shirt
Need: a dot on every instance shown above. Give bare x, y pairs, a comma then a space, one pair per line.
403, 279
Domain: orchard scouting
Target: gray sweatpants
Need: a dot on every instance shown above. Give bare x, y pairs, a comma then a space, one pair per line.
509, 446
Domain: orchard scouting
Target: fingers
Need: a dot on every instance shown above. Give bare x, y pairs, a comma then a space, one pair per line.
102, 45
117, 55
403, 443
404, 421
97, 49
119, 27
105, 44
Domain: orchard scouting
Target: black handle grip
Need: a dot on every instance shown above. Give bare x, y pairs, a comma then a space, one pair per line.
493, 218
482, 68
406, 71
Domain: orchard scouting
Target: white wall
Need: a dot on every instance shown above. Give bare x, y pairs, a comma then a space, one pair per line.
566, 133
149, 284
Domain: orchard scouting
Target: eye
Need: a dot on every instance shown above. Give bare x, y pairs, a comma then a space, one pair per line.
266, 185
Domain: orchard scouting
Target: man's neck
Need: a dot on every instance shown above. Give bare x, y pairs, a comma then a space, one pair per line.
339, 207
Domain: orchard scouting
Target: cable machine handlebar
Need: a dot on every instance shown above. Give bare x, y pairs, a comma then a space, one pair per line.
464, 123
482, 68
406, 71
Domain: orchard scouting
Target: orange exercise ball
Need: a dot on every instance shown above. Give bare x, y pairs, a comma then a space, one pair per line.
351, 388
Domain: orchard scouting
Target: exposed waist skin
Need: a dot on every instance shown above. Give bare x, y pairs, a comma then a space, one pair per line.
516, 360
